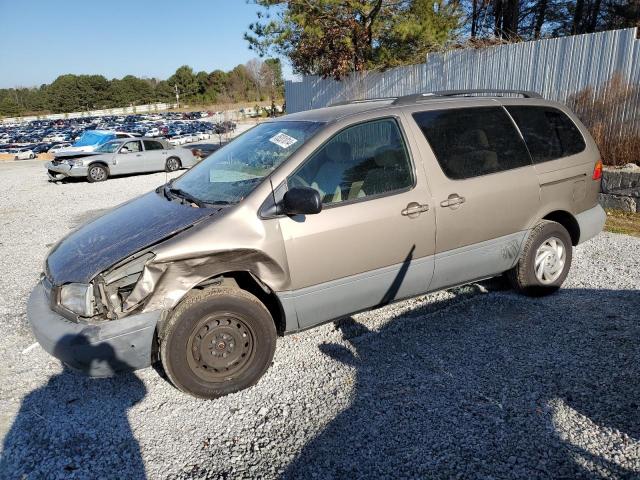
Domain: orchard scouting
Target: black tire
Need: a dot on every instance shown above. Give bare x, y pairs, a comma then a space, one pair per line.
97, 173
32, 156
210, 329
172, 164
523, 276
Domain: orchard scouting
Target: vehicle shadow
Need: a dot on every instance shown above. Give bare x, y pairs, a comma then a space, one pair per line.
74, 180
494, 386
76, 426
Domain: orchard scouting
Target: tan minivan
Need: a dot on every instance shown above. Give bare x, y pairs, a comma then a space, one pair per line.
314, 216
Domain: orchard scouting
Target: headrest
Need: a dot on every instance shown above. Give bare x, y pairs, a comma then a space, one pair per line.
474, 138
387, 157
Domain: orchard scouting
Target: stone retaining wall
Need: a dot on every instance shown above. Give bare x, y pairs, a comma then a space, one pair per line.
621, 188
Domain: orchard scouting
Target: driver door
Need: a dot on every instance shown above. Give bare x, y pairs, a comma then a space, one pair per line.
374, 240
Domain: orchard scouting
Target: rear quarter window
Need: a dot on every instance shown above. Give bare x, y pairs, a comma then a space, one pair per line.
549, 133
152, 145
470, 142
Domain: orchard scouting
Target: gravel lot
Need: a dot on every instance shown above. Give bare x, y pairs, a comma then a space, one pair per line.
476, 382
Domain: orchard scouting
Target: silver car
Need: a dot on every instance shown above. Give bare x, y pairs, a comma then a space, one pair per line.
122, 157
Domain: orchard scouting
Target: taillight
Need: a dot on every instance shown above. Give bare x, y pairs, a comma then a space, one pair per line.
597, 170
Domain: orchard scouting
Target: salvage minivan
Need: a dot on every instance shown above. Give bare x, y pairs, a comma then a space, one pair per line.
314, 216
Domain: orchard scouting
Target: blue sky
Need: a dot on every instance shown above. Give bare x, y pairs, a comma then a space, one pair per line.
41, 39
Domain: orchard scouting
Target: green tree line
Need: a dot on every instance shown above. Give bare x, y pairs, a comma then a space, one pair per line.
254, 81
333, 38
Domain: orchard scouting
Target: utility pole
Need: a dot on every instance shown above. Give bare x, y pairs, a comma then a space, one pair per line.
175, 89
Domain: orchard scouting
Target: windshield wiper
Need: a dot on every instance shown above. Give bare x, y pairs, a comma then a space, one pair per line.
185, 196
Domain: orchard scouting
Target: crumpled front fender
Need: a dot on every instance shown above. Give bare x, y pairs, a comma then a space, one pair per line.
163, 285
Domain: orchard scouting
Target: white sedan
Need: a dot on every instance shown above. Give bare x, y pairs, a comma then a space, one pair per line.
123, 156
22, 153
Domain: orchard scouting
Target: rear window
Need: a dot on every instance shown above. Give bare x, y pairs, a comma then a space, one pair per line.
470, 142
548, 132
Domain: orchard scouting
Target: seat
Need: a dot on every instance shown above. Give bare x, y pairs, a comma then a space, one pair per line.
390, 174
472, 155
329, 177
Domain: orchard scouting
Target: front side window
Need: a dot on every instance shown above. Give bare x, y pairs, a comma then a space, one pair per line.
130, 147
232, 172
361, 161
470, 142
548, 132
152, 145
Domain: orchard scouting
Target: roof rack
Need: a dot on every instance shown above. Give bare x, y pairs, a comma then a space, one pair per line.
351, 102
416, 97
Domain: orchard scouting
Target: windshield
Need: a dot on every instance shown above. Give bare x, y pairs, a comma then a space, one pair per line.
109, 147
231, 173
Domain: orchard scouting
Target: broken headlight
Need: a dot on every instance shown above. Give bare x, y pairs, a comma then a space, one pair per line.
117, 284
78, 298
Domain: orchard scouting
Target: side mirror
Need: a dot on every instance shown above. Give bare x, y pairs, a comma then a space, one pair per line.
124, 150
302, 201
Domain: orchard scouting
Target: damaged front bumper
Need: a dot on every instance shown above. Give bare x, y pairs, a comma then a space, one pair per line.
100, 350
59, 171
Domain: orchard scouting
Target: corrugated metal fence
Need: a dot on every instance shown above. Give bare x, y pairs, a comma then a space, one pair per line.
556, 68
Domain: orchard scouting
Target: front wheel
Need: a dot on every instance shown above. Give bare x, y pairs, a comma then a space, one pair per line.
217, 341
97, 173
545, 260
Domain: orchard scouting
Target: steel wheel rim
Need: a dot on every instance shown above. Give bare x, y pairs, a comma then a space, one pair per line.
220, 347
550, 259
97, 174
172, 164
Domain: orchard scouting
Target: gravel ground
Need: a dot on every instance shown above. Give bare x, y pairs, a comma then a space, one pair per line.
475, 382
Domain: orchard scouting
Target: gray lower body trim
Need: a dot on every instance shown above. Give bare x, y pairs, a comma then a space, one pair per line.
591, 223
99, 350
320, 303
317, 304
480, 260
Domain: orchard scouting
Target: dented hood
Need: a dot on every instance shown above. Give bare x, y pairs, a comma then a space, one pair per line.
121, 232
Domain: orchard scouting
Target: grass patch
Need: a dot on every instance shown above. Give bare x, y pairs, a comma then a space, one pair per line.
623, 222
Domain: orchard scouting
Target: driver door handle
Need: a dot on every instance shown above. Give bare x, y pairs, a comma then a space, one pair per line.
414, 209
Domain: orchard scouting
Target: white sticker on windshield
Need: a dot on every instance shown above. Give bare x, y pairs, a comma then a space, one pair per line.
283, 140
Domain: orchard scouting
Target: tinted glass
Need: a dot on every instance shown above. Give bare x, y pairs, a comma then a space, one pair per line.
469, 142
548, 132
361, 161
151, 145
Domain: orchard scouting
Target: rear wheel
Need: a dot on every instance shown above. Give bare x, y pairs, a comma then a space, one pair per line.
97, 173
217, 341
545, 260
172, 164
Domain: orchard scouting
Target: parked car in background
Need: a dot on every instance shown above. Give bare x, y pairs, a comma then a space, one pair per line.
58, 147
177, 140
122, 156
41, 148
22, 153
